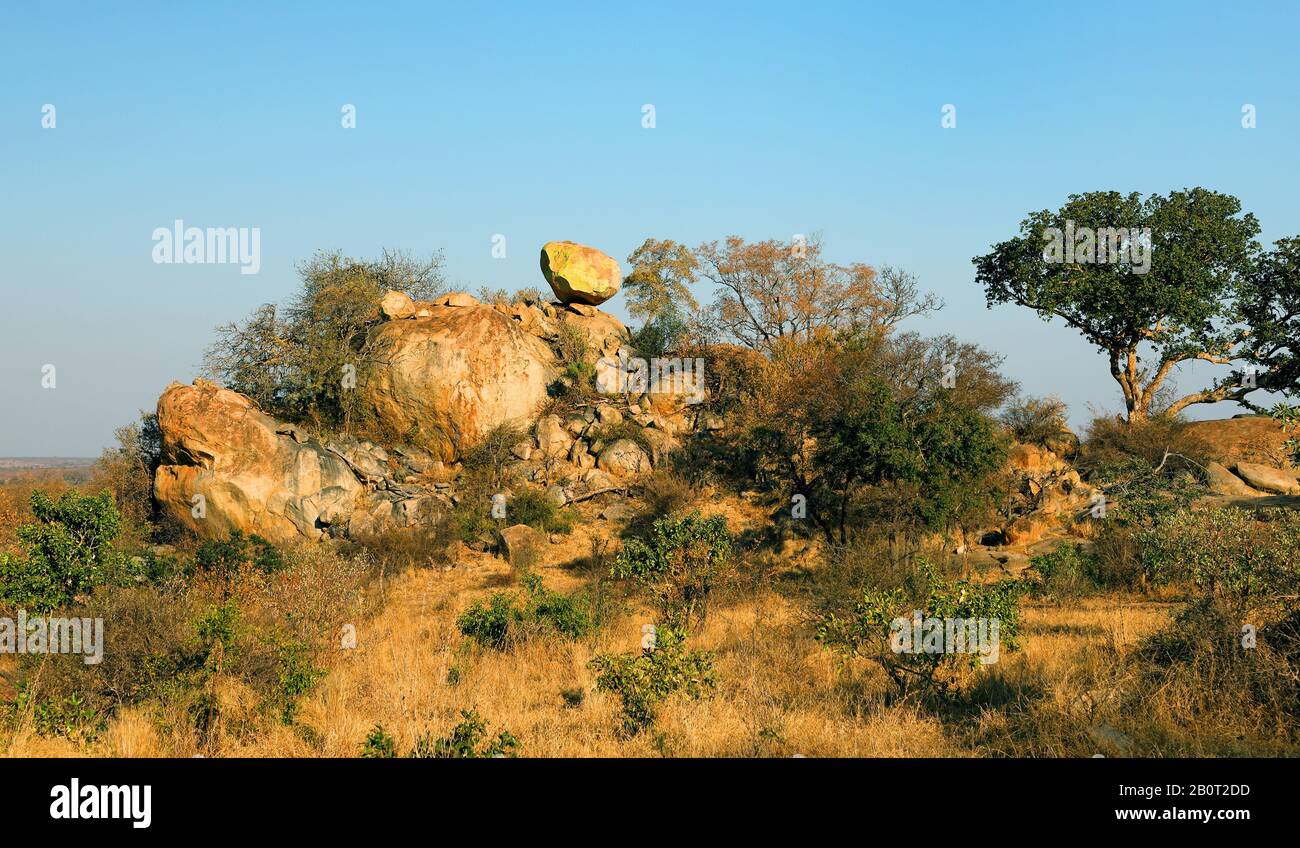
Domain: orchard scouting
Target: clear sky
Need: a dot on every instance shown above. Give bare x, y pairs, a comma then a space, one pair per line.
526, 120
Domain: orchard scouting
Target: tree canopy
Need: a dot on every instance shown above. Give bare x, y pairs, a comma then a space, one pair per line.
1183, 307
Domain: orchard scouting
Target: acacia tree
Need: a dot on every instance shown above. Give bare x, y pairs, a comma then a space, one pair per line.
769, 290
1182, 309
1270, 306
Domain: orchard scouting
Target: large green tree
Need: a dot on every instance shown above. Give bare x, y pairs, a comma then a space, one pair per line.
1146, 319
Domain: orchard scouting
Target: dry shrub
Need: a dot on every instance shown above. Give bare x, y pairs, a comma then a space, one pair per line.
1109, 441
666, 492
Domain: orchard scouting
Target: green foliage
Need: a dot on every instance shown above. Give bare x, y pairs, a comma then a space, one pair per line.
681, 561
1270, 307
868, 631
537, 510
662, 334
70, 716
1288, 416
1068, 571
226, 558
298, 676
645, 679
467, 740
504, 618
67, 552
1201, 253
379, 745
218, 629
1247, 559
490, 624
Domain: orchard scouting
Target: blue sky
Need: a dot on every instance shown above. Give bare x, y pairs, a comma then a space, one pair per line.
525, 120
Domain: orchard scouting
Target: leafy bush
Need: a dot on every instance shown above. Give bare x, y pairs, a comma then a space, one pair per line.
681, 562
537, 510
504, 618
1035, 420
68, 551
870, 631
379, 745
298, 676
490, 624
1066, 572
227, 559
661, 334
645, 679
1246, 558
467, 740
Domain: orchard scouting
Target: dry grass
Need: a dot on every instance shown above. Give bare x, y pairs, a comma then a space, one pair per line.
1072, 690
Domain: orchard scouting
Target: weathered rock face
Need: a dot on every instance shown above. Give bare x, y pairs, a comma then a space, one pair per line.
1221, 481
1251, 438
623, 458
1051, 496
604, 333
1268, 479
226, 466
397, 304
580, 274
447, 379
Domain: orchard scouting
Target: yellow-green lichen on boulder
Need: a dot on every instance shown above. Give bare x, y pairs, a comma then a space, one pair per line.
580, 274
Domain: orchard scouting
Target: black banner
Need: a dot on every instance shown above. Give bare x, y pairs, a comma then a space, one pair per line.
143, 798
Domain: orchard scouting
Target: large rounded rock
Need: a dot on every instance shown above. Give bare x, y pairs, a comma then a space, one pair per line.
580, 274
1251, 438
446, 380
227, 466
623, 458
1268, 479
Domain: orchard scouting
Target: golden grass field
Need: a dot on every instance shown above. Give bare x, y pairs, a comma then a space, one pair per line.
780, 693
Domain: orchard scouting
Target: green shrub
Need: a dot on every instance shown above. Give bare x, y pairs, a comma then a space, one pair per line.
871, 630
379, 745
491, 624
1249, 559
502, 620
67, 552
537, 510
298, 676
681, 562
1068, 571
226, 558
467, 740
644, 679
